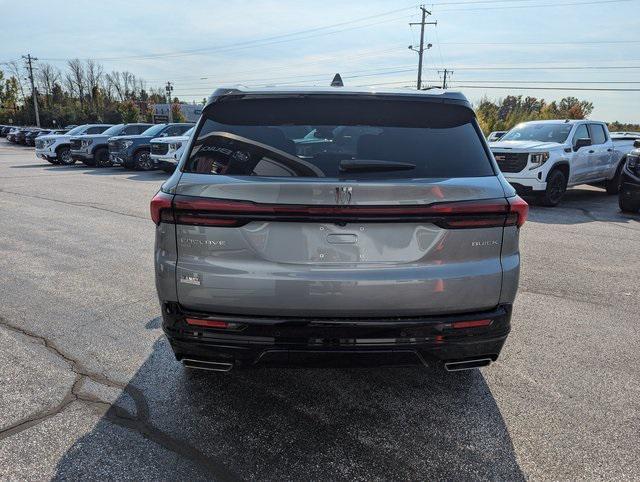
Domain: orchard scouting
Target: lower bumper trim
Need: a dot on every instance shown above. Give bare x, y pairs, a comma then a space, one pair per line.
340, 343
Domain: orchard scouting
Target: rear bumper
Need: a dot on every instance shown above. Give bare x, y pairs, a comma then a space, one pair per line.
325, 342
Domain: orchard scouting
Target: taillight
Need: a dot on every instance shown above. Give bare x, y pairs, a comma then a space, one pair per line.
161, 208
197, 211
518, 211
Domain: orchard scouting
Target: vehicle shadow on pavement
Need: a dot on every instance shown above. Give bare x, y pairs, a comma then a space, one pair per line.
579, 206
403, 423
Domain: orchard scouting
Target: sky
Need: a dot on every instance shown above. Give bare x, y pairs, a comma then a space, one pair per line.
494, 48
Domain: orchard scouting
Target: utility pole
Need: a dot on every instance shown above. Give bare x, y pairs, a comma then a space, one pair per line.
445, 72
29, 59
169, 89
421, 50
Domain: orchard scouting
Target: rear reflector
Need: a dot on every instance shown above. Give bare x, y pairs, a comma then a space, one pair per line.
470, 324
207, 323
198, 211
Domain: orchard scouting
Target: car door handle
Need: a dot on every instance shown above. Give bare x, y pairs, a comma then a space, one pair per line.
591, 151
609, 150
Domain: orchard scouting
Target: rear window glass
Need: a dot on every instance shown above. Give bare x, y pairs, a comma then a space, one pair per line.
338, 138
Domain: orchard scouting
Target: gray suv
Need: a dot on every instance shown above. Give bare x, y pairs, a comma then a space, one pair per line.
333, 227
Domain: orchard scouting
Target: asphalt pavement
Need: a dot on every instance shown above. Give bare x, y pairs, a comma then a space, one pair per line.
90, 389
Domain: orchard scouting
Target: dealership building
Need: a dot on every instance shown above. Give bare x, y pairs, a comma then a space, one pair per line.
191, 112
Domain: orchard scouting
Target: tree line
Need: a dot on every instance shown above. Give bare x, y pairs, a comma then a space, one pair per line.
82, 92
503, 114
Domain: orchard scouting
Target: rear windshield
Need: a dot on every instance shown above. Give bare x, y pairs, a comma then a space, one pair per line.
338, 138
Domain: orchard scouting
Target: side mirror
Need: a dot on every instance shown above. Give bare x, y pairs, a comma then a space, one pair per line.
164, 134
582, 142
636, 143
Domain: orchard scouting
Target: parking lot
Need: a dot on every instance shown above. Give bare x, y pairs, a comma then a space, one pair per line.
90, 387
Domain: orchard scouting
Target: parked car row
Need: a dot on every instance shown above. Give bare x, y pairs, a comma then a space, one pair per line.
26, 135
103, 145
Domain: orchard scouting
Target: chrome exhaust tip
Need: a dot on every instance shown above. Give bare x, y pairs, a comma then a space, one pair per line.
467, 364
207, 365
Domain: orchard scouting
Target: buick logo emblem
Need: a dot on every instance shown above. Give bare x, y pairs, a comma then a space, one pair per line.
343, 195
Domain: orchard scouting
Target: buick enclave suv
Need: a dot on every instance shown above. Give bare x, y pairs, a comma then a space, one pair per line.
333, 227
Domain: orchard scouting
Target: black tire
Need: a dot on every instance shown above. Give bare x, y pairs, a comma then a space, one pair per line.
556, 187
101, 157
628, 205
64, 156
613, 186
89, 162
142, 161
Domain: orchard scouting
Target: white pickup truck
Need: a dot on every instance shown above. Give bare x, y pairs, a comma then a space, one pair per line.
543, 158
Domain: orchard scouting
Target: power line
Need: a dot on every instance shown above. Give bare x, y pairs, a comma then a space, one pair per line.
554, 81
403, 69
317, 31
585, 42
594, 89
595, 2
537, 67
259, 42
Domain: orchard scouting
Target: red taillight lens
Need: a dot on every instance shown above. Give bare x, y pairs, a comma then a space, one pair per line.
161, 207
470, 324
199, 211
518, 211
216, 324
207, 323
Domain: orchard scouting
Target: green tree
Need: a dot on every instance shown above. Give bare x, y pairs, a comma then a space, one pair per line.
506, 113
177, 114
128, 111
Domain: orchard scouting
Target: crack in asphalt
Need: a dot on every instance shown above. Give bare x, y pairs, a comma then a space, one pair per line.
72, 203
140, 422
32, 421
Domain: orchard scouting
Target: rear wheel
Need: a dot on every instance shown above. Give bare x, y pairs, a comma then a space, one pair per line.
64, 156
101, 157
556, 187
613, 185
142, 161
